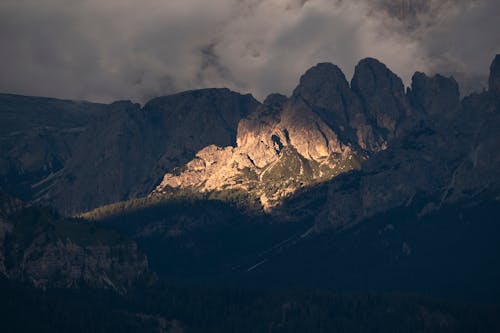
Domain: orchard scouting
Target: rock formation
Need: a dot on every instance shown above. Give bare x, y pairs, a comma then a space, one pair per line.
324, 129
77, 156
448, 156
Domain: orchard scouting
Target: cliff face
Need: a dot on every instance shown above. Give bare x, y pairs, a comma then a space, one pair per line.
324, 129
40, 248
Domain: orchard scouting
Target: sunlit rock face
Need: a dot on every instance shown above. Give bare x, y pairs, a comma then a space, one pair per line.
324, 129
277, 151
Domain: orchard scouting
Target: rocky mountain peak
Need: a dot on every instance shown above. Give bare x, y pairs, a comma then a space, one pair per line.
382, 95
326, 92
275, 101
324, 86
494, 81
435, 96
372, 77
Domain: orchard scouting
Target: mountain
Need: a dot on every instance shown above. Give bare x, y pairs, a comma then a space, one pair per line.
357, 187
324, 129
448, 156
76, 156
417, 213
326, 160
425, 142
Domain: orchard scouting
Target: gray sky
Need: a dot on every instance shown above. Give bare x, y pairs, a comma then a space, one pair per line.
103, 50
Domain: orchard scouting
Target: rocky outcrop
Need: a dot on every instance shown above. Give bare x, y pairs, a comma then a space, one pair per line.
437, 96
448, 156
266, 132
383, 97
40, 248
324, 129
326, 91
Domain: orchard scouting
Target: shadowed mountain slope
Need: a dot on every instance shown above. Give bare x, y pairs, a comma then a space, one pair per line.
37, 138
120, 152
39, 247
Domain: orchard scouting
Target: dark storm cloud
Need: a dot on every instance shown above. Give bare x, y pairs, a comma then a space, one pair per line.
116, 49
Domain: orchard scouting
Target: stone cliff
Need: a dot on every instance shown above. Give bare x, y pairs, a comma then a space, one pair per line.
326, 128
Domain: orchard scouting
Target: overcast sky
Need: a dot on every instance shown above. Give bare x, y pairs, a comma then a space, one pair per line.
103, 50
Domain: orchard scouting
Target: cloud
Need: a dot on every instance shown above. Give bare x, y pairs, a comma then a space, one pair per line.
104, 50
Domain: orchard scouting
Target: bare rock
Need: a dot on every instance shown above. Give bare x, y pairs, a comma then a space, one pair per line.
436, 96
384, 100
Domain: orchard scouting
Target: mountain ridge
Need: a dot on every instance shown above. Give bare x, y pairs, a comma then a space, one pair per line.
83, 169
235, 210
327, 127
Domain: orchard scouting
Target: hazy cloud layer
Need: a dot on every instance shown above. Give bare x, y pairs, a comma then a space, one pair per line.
126, 49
